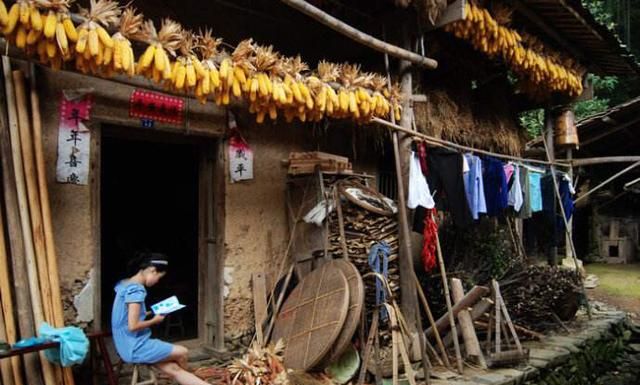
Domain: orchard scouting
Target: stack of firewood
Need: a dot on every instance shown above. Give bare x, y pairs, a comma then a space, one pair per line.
363, 229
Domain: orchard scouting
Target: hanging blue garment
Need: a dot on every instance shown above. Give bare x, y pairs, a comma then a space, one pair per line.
474, 186
379, 263
74, 345
567, 200
535, 191
496, 190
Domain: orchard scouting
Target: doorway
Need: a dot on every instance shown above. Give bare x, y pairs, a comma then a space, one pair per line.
149, 202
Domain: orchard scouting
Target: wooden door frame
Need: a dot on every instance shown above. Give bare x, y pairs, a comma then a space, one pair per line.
211, 203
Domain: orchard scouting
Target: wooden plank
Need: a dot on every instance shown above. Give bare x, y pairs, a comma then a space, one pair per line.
218, 231
6, 373
259, 304
471, 343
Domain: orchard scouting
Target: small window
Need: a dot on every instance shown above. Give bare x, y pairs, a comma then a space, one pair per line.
613, 251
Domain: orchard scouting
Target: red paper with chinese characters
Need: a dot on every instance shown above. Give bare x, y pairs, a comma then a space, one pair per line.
156, 106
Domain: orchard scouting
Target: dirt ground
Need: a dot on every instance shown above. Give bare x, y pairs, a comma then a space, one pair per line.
618, 286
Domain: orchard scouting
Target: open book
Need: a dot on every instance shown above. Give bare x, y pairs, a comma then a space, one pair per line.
167, 306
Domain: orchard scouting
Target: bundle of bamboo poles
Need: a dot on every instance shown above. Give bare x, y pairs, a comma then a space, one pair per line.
31, 248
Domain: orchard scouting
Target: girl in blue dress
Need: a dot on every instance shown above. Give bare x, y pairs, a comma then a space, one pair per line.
131, 330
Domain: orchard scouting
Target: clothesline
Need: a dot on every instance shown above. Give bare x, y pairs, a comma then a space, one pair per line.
451, 145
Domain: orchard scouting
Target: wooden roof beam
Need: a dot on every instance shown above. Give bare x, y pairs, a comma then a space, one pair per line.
359, 36
538, 22
610, 131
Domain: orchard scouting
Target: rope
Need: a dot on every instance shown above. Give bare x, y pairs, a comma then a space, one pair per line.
379, 263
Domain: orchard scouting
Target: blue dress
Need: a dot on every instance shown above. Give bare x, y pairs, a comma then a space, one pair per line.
134, 347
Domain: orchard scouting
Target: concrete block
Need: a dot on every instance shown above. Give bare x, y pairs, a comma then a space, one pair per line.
537, 363
492, 378
516, 376
555, 356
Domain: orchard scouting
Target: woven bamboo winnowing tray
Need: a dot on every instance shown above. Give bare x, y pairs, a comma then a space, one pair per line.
312, 317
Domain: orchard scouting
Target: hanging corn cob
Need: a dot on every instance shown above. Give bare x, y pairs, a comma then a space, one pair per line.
154, 62
260, 88
241, 70
123, 59
18, 22
94, 48
210, 84
187, 71
546, 75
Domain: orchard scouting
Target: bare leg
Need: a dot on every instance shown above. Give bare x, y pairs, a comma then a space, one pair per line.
179, 356
178, 374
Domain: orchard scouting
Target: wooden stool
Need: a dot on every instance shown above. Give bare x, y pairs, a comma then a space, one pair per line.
135, 380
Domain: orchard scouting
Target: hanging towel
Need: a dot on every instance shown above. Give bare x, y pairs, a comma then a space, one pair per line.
515, 192
508, 171
74, 345
379, 263
496, 190
474, 186
535, 191
446, 178
419, 194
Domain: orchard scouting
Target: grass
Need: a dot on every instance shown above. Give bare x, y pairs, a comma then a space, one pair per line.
618, 280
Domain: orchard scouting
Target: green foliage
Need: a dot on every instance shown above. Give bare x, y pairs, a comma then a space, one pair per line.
601, 12
533, 122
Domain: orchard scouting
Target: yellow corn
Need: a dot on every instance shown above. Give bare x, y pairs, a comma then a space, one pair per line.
147, 57
104, 37
33, 36
24, 13
197, 65
191, 75
61, 39
94, 42
4, 16
52, 49
117, 54
12, 19
237, 91
21, 37
50, 25
159, 58
70, 29
206, 84
36, 19
215, 77
81, 44
181, 74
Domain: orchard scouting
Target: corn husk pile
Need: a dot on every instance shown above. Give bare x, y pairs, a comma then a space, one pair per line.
262, 366
540, 74
272, 84
535, 294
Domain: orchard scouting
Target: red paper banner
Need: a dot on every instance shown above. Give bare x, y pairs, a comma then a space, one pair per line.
157, 107
74, 111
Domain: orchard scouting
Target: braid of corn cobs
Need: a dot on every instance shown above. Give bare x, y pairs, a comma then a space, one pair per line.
94, 48
187, 71
209, 84
123, 61
542, 72
43, 27
155, 63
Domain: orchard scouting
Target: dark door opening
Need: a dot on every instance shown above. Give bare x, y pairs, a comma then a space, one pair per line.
149, 202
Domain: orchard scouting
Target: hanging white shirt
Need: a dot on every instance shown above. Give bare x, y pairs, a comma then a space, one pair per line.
419, 194
515, 193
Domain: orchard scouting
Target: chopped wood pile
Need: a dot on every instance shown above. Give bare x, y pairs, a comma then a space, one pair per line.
539, 295
363, 229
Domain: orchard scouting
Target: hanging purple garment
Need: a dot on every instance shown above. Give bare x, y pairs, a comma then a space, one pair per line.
496, 190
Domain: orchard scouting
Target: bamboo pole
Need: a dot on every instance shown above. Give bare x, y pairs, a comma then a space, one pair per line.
432, 322
447, 297
471, 343
32, 268
14, 225
607, 181
7, 305
28, 161
359, 36
49, 242
6, 372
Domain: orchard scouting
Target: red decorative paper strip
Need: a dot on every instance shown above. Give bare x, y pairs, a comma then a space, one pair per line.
74, 111
157, 107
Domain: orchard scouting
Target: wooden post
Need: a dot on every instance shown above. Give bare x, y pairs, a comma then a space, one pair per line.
57, 313
470, 299
14, 229
552, 257
471, 343
569, 234
9, 327
32, 268
343, 237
